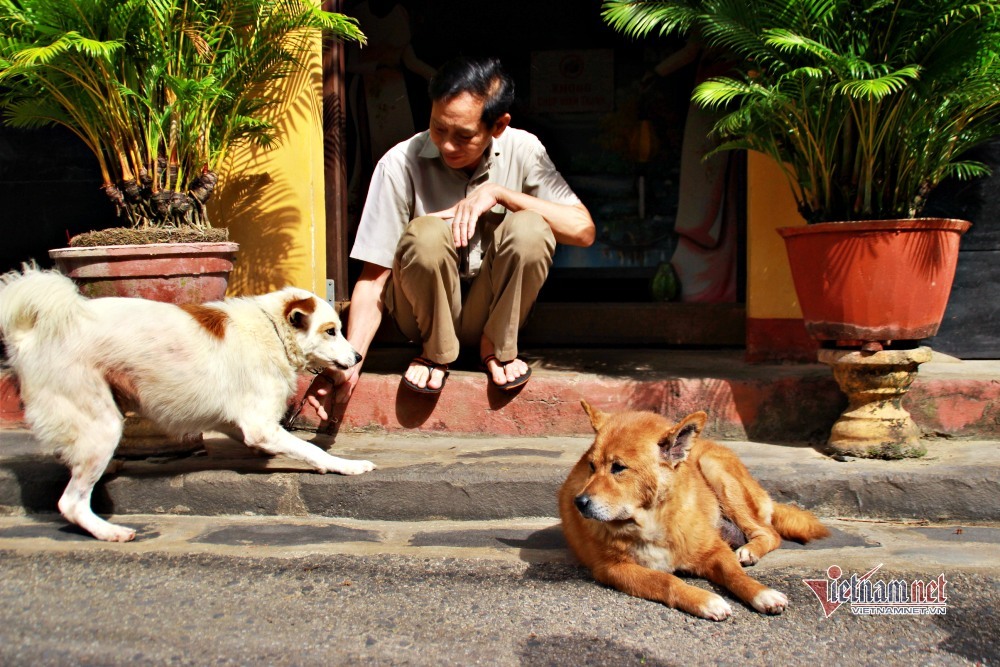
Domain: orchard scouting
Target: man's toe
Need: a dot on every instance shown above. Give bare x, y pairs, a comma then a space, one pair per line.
516, 369
415, 374
497, 372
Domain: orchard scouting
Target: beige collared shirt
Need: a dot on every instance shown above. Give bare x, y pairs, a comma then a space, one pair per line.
412, 180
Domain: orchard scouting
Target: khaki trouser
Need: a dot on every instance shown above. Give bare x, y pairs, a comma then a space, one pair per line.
424, 294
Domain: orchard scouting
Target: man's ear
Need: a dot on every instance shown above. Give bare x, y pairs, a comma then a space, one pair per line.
597, 418
676, 444
500, 125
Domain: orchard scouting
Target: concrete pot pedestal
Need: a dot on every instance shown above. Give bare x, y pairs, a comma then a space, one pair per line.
875, 424
141, 438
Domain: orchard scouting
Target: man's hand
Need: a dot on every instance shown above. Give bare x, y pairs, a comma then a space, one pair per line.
571, 223
339, 383
465, 214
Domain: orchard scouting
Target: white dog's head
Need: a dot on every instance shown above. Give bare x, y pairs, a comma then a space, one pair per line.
317, 330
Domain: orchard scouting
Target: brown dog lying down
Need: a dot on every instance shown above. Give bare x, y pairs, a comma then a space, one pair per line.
650, 498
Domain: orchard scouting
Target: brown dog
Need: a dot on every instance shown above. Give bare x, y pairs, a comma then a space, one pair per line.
650, 498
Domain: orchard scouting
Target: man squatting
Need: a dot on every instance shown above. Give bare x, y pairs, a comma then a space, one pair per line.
458, 234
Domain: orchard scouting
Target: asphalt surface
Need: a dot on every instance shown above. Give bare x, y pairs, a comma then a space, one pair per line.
429, 560
276, 591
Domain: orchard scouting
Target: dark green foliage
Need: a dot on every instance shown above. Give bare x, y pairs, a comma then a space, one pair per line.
159, 90
867, 104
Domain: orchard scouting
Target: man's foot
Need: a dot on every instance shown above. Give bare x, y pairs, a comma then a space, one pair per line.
425, 376
505, 375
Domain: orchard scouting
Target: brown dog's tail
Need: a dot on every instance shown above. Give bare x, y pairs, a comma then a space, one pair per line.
796, 524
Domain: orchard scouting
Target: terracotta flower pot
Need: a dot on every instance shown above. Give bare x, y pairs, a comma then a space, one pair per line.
171, 272
884, 280
179, 273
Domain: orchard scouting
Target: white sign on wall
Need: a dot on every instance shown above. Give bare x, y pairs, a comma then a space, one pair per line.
572, 81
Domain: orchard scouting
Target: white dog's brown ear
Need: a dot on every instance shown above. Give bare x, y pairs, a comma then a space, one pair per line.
597, 418
298, 312
677, 443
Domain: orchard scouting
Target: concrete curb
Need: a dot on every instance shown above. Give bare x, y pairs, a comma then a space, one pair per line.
462, 478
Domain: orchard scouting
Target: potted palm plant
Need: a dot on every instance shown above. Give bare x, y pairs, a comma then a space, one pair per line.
161, 92
867, 107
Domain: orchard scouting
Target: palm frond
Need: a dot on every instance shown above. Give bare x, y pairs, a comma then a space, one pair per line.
640, 19
866, 106
878, 88
965, 171
145, 81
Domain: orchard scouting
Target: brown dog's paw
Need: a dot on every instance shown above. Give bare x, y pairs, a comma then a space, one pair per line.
746, 556
715, 608
770, 601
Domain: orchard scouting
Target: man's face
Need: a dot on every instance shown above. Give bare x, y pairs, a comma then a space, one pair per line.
458, 132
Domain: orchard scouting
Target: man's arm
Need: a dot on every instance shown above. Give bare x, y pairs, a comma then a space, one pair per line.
571, 223
365, 314
363, 321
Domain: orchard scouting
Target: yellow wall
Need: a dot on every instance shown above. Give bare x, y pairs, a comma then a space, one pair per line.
272, 200
770, 204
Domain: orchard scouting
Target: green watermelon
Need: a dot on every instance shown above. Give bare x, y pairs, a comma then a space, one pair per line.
664, 285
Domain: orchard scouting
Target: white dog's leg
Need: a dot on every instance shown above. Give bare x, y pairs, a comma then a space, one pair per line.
88, 458
276, 440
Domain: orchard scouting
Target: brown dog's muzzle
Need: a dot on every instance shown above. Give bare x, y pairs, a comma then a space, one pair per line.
586, 507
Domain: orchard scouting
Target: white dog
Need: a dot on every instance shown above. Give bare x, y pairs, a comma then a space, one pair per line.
186, 368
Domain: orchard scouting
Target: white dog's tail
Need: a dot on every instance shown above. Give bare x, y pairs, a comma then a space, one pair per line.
45, 302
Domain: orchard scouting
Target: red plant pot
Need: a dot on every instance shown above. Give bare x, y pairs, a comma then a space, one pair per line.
877, 280
171, 272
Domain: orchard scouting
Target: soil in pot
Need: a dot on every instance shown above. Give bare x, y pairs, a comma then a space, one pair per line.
141, 236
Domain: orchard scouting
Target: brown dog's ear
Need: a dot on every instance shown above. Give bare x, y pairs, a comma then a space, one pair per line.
597, 418
677, 443
298, 312
298, 319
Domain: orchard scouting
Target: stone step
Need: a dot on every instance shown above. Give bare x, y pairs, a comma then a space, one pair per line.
423, 477
759, 402
795, 403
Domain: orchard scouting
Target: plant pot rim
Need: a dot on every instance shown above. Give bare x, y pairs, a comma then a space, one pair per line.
183, 248
894, 225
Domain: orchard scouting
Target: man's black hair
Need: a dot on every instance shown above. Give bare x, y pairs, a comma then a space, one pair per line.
483, 78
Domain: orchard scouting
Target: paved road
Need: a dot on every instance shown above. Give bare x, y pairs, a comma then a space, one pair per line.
259, 590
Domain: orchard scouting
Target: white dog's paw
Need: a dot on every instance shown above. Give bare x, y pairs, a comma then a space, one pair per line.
113, 533
345, 467
746, 556
770, 601
715, 609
